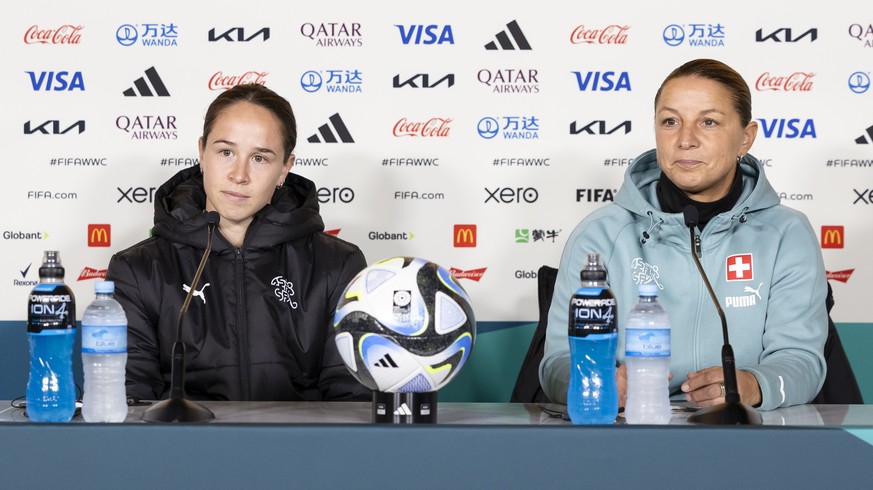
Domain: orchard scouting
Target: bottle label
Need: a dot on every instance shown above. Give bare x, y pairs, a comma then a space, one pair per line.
592, 311
647, 342
104, 339
51, 307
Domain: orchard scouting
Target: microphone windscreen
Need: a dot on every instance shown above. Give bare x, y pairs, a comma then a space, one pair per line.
213, 217
691, 215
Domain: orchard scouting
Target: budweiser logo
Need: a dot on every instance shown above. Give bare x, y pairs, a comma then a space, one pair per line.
796, 82
89, 273
220, 81
473, 275
614, 34
65, 34
437, 127
842, 276
335, 232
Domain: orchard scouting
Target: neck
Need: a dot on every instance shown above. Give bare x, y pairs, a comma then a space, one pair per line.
234, 233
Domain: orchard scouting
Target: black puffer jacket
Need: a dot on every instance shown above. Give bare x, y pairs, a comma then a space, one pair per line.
260, 325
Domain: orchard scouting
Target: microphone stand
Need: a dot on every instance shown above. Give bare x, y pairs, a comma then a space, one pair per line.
732, 411
176, 408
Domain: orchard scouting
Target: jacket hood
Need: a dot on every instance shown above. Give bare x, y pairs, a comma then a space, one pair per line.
638, 193
180, 205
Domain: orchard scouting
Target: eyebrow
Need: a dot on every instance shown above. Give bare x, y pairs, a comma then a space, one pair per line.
257, 148
701, 113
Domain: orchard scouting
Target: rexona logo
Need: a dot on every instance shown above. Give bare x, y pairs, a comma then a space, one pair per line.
56, 81
786, 35
510, 80
841, 276
423, 80
606, 81
611, 34
141, 87
327, 135
148, 34
865, 139
99, 235
832, 237
506, 38
333, 81
472, 274
697, 35
334, 34
512, 127
595, 195
425, 34
65, 34
384, 235
599, 127
799, 81
238, 34
89, 273
464, 236
509, 195
435, 127
787, 128
862, 33
53, 126
220, 81
148, 127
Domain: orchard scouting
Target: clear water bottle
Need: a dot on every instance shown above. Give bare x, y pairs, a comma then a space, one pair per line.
51, 328
647, 355
592, 397
104, 357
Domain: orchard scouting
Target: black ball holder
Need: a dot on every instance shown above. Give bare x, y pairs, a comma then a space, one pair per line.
404, 408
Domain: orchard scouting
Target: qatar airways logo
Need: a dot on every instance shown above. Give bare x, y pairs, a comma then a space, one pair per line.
799, 81
65, 34
612, 34
472, 274
435, 127
220, 81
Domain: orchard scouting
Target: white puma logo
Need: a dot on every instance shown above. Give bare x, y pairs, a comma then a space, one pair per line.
199, 293
748, 289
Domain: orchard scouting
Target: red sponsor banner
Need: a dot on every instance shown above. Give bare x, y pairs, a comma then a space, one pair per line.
472, 274
99, 235
613, 34
335, 232
65, 34
464, 236
799, 81
220, 81
435, 127
739, 267
832, 236
89, 273
841, 276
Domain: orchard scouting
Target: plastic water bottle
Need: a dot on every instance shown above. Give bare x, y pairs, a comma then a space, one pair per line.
51, 328
592, 397
104, 357
647, 354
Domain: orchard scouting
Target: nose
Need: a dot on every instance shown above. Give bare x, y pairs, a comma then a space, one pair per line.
687, 137
239, 172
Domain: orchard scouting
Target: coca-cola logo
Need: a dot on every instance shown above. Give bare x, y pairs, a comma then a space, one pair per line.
435, 127
89, 273
220, 81
613, 34
473, 274
798, 81
65, 34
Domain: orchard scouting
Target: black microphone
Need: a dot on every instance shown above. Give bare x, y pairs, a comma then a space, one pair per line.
732, 411
176, 408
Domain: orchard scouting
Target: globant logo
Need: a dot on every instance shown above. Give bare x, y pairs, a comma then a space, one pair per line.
220, 81
859, 82
511, 128
152, 35
334, 34
435, 127
388, 236
89, 273
696, 35
333, 81
611, 34
65, 34
798, 81
472, 274
148, 127
25, 235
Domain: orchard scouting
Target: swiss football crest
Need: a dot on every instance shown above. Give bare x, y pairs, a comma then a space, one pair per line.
739, 268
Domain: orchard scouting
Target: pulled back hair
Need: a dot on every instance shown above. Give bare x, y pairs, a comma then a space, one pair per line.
721, 73
259, 95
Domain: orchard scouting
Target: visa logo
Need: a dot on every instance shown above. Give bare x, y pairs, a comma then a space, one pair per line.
56, 81
787, 128
426, 34
603, 81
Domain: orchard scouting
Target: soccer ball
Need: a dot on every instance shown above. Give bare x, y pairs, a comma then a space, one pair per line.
404, 325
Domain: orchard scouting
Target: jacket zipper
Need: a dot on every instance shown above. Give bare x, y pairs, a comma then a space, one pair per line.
242, 328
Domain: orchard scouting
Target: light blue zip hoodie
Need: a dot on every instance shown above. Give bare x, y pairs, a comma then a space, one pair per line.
762, 259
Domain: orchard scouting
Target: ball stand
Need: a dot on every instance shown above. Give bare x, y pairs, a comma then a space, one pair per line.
404, 408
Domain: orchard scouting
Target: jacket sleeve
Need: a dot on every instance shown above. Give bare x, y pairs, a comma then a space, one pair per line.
144, 378
335, 382
792, 367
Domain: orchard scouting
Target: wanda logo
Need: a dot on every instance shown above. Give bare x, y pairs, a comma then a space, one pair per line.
65, 34
435, 127
798, 81
220, 81
614, 34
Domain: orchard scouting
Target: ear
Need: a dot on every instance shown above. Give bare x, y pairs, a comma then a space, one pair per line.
286, 168
749, 134
200, 152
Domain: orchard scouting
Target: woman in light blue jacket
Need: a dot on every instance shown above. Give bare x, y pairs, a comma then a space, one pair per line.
762, 258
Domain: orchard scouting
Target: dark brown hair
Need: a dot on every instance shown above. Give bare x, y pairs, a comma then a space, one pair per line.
723, 74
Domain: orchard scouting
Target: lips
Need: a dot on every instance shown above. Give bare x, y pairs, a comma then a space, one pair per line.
234, 196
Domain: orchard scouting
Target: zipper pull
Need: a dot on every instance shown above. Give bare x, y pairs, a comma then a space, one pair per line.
697, 245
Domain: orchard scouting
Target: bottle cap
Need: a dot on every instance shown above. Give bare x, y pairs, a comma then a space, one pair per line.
104, 287
650, 289
593, 269
51, 265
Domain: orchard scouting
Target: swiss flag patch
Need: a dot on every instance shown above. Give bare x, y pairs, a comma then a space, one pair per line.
739, 268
